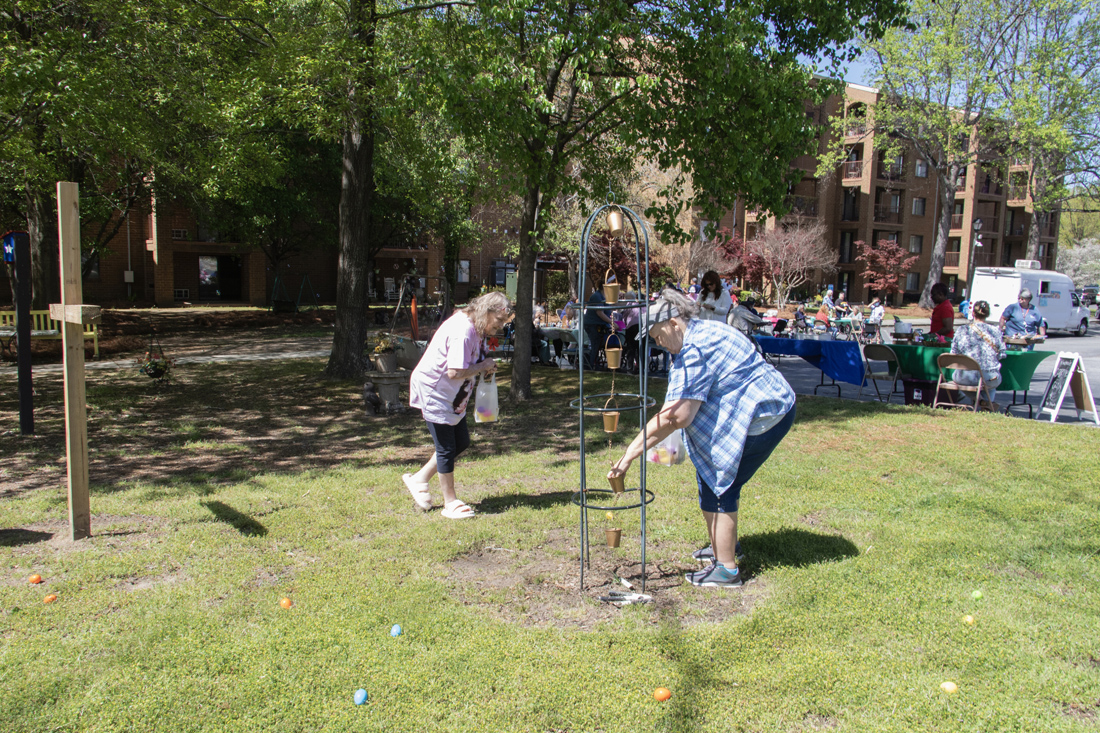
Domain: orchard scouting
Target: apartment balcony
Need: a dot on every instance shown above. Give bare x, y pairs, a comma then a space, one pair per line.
990, 224
1015, 230
803, 205
951, 259
891, 173
991, 188
854, 129
956, 221
983, 259
1017, 192
887, 214
852, 170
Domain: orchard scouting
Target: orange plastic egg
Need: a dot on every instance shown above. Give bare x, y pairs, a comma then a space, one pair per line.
50, 598
286, 603
36, 578
661, 694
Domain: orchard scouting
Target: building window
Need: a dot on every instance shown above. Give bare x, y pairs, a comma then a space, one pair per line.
921, 168
888, 236
179, 234
847, 245
703, 224
89, 265
916, 243
918, 206
463, 271
912, 281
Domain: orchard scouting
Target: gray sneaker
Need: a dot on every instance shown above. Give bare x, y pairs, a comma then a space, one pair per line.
715, 576
707, 554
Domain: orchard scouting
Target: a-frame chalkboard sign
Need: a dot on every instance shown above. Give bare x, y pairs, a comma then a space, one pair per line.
1068, 376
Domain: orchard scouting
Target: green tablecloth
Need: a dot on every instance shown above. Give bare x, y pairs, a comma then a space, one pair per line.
1017, 368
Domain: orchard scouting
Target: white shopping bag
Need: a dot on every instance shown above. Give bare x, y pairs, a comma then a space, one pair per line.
670, 451
485, 400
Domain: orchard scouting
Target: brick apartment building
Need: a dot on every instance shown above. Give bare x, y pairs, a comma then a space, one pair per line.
870, 199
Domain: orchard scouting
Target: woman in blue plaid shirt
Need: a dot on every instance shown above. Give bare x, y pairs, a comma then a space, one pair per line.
734, 409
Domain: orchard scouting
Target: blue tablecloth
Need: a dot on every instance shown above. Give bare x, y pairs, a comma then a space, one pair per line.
840, 360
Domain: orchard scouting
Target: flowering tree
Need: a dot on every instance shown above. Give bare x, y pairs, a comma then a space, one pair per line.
885, 263
785, 257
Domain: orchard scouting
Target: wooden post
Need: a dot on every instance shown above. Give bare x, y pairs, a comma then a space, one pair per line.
72, 315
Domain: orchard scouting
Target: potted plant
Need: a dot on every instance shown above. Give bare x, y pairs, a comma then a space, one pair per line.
384, 356
155, 365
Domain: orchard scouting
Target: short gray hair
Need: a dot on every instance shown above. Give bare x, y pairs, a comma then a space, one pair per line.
1025, 294
687, 307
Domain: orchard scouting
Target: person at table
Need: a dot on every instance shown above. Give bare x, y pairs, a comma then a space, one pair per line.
1021, 320
827, 316
693, 288
714, 301
874, 318
597, 324
440, 387
982, 342
943, 314
801, 319
827, 301
734, 409
842, 307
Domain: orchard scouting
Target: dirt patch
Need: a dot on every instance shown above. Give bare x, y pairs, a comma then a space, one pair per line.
820, 722
540, 587
1082, 712
146, 582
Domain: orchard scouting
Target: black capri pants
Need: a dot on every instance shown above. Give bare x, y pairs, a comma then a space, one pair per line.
450, 441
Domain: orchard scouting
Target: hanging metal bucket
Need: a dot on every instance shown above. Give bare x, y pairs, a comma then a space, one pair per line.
618, 483
610, 419
613, 536
615, 222
614, 354
610, 289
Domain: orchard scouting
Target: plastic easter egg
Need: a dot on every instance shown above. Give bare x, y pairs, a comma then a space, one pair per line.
610, 516
36, 578
968, 619
661, 694
976, 595
395, 630
50, 598
360, 696
949, 687
286, 603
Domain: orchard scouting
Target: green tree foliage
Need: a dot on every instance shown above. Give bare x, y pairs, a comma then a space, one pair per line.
713, 91
1050, 86
939, 95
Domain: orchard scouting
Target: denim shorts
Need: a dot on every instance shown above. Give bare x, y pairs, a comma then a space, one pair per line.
757, 450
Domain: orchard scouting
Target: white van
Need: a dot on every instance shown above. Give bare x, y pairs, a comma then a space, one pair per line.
1052, 293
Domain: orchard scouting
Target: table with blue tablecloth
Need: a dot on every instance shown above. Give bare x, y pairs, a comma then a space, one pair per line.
839, 360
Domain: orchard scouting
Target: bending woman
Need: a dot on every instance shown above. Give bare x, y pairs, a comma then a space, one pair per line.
734, 408
440, 387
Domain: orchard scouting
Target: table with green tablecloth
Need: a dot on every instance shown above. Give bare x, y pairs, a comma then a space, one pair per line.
1017, 368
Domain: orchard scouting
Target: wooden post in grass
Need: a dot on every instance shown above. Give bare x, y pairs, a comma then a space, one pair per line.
72, 314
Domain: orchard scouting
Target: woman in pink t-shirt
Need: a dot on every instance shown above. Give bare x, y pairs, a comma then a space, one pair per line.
441, 386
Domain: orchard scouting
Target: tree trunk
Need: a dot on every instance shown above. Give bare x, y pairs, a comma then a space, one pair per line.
41, 256
356, 198
1038, 191
525, 290
935, 267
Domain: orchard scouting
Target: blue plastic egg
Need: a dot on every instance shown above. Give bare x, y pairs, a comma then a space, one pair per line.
396, 630
360, 696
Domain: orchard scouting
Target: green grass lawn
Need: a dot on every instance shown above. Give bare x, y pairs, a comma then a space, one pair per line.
867, 535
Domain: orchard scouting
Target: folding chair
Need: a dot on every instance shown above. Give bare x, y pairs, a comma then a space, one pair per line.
958, 361
878, 353
780, 328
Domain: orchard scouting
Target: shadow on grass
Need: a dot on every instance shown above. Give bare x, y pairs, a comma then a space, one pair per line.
243, 523
17, 537
501, 504
793, 548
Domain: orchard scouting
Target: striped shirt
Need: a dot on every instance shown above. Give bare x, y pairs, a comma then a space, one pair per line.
719, 367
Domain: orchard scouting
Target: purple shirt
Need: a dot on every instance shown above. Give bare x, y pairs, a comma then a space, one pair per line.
457, 346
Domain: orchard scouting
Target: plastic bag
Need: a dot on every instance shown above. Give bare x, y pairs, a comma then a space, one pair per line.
669, 452
486, 407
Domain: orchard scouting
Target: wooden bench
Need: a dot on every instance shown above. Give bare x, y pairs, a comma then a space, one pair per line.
42, 327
